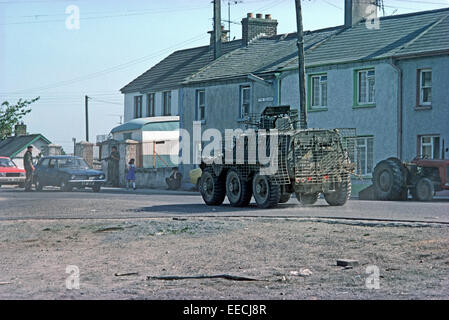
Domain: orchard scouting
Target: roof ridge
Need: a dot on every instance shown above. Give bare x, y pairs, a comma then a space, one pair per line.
411, 14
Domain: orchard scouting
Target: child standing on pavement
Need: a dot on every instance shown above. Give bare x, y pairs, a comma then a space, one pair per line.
131, 176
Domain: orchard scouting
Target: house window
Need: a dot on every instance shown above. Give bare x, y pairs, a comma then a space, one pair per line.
360, 152
166, 97
151, 112
138, 107
366, 87
245, 100
201, 104
318, 89
429, 147
425, 87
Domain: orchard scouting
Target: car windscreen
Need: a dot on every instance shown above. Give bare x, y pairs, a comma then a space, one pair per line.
72, 163
6, 163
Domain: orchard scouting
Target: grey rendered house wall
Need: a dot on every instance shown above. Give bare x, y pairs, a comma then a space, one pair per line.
425, 121
380, 121
129, 104
222, 106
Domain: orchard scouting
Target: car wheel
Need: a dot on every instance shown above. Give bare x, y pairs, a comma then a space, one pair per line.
65, 187
96, 188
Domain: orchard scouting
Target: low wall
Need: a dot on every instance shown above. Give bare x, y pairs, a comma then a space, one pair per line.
152, 178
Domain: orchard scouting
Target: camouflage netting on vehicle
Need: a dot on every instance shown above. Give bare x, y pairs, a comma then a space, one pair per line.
319, 156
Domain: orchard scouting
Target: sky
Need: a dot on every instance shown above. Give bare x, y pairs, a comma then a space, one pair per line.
118, 40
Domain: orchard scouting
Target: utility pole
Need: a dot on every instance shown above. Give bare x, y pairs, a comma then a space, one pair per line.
302, 67
86, 102
217, 29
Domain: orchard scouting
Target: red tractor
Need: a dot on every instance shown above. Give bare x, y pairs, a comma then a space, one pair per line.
392, 179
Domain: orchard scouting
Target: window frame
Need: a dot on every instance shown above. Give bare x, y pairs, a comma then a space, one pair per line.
364, 172
357, 89
421, 88
431, 144
199, 105
151, 104
241, 102
138, 101
166, 103
310, 92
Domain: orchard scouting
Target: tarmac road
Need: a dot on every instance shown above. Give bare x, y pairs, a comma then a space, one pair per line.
16, 204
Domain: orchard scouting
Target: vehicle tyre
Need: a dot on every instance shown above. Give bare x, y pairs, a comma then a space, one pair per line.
388, 180
266, 194
238, 191
285, 196
64, 186
341, 194
213, 188
38, 185
307, 199
424, 190
198, 185
96, 188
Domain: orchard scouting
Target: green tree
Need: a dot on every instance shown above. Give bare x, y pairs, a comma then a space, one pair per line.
11, 114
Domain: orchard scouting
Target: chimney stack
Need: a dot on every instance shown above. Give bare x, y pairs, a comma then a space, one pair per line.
224, 36
254, 27
357, 10
20, 129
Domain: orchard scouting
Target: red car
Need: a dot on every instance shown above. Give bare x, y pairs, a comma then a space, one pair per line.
10, 174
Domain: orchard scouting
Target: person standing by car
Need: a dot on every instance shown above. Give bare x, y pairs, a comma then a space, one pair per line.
113, 166
29, 168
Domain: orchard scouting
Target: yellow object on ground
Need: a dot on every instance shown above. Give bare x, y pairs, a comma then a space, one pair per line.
195, 175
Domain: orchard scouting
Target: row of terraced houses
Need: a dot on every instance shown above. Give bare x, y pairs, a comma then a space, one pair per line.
389, 83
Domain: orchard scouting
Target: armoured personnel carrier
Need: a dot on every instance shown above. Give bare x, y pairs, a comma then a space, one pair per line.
306, 162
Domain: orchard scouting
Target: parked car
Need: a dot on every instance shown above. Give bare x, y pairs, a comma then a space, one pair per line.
67, 172
10, 174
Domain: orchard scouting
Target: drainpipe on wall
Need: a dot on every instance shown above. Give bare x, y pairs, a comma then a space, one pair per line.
278, 88
400, 115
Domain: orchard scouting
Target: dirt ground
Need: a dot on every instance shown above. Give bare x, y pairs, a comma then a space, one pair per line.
413, 259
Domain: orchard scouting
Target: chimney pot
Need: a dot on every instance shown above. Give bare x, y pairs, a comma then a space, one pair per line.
250, 15
268, 16
259, 16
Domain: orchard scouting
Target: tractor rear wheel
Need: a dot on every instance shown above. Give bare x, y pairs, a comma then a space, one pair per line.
388, 180
424, 190
340, 195
238, 190
266, 194
212, 188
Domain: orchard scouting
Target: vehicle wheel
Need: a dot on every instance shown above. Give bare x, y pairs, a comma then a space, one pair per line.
38, 185
285, 196
198, 185
340, 195
96, 188
424, 190
64, 186
238, 191
213, 188
266, 194
307, 199
388, 180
